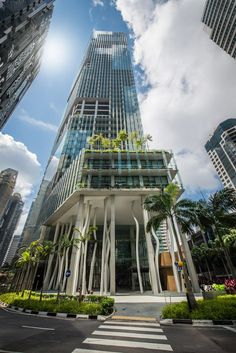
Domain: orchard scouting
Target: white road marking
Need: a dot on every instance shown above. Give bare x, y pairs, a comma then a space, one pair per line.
82, 350
130, 334
132, 323
130, 344
230, 328
39, 328
130, 328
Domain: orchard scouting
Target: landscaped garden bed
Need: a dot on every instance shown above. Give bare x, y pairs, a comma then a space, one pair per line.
221, 308
90, 305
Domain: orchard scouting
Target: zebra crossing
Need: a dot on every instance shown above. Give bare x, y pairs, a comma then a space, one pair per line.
122, 335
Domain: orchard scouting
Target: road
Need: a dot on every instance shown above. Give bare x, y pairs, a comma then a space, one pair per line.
21, 333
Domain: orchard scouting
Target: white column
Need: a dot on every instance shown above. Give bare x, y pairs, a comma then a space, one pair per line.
50, 260
72, 280
137, 249
113, 248
103, 246
43, 230
150, 251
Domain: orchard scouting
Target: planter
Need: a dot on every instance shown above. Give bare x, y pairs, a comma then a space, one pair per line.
212, 294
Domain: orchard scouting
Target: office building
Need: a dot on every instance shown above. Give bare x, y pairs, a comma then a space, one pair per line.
221, 148
10, 221
23, 30
7, 184
12, 249
103, 184
219, 19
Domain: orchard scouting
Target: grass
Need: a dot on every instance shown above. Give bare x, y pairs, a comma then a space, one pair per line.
91, 305
220, 308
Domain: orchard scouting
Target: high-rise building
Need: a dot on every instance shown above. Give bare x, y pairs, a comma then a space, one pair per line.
7, 184
221, 148
10, 222
103, 184
23, 30
12, 249
220, 22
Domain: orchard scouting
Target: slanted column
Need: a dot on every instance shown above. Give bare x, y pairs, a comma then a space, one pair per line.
74, 264
43, 231
50, 260
150, 251
113, 248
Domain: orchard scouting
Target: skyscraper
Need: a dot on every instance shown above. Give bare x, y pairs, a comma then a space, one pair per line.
7, 184
103, 184
221, 148
12, 249
23, 30
220, 22
10, 222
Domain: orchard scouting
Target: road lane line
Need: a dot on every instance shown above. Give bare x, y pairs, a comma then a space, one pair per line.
230, 328
82, 350
131, 328
130, 334
1, 351
130, 344
132, 323
39, 328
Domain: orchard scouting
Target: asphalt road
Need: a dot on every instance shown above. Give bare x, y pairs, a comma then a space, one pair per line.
21, 333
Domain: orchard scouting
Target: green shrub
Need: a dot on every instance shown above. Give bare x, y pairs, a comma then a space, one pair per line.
92, 305
221, 308
218, 287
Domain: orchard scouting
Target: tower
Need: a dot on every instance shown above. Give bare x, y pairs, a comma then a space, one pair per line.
220, 20
23, 30
221, 148
7, 184
98, 177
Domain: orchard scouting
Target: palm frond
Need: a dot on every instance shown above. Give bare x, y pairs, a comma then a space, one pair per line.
155, 222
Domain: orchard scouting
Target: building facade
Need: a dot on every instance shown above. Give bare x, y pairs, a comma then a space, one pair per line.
12, 249
7, 184
10, 221
220, 22
103, 185
23, 30
221, 147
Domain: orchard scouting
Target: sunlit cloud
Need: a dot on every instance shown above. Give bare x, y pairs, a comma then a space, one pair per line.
98, 3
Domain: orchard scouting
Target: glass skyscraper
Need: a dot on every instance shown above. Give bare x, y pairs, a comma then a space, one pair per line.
104, 186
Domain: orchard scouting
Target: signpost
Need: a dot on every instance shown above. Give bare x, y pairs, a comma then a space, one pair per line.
68, 273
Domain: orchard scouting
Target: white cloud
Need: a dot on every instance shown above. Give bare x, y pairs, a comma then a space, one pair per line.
98, 2
191, 81
24, 116
14, 154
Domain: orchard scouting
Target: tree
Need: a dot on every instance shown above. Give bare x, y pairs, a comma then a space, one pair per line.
148, 138
230, 239
122, 136
219, 214
165, 206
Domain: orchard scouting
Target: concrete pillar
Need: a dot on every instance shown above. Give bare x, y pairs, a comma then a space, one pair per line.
150, 251
113, 248
74, 264
50, 259
43, 231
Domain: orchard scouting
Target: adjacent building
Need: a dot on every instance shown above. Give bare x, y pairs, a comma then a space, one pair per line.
9, 224
104, 186
23, 29
220, 22
12, 249
7, 185
221, 148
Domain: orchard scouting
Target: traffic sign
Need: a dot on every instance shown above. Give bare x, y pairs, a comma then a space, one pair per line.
68, 273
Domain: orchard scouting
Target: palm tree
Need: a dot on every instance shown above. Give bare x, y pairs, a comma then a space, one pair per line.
165, 206
148, 138
123, 136
106, 143
219, 214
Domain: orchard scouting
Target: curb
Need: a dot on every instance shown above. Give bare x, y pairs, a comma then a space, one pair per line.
202, 323
59, 315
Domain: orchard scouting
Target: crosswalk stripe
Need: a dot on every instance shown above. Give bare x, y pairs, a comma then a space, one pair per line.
131, 328
132, 323
130, 334
130, 344
82, 350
